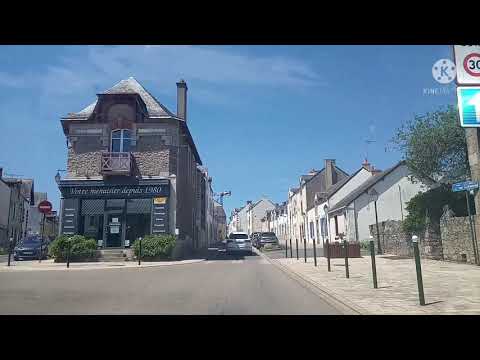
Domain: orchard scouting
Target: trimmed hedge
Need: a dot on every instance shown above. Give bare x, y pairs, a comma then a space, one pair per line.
155, 247
81, 248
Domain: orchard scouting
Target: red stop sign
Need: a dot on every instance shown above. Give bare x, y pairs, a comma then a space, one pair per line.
45, 206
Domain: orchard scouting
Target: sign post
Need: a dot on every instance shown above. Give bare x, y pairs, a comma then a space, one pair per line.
469, 187
45, 207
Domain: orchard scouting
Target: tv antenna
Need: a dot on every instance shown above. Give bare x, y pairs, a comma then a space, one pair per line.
367, 142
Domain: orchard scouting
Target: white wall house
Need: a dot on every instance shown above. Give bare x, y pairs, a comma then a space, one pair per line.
328, 199
256, 212
353, 214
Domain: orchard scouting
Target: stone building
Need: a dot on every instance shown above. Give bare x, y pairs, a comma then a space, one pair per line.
131, 169
220, 222
16, 197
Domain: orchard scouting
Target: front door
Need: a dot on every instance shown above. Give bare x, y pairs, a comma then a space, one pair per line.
114, 230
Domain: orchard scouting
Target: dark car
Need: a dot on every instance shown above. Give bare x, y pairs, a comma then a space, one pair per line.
254, 237
29, 248
265, 238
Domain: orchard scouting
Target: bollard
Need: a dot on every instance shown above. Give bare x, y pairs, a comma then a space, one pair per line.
328, 255
305, 248
10, 250
345, 245
418, 267
374, 266
286, 249
296, 244
314, 252
291, 254
139, 250
68, 256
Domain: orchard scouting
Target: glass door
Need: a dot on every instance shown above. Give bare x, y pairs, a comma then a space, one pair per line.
114, 227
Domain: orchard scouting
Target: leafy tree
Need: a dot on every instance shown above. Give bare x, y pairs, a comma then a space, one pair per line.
431, 203
434, 146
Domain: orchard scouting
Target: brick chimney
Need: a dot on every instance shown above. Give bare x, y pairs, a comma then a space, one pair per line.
330, 174
375, 171
182, 99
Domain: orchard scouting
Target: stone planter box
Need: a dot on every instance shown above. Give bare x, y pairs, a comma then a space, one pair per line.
337, 250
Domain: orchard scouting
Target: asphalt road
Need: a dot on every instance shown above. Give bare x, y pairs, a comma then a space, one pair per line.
221, 284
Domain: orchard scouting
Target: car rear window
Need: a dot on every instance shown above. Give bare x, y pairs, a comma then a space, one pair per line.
238, 236
268, 234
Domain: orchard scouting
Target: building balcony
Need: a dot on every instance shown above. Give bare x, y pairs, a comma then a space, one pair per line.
117, 163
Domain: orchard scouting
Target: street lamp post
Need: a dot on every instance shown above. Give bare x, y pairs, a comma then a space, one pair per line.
374, 266
374, 197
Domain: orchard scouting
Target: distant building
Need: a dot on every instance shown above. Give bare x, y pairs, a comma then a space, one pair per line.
301, 199
255, 212
16, 196
220, 222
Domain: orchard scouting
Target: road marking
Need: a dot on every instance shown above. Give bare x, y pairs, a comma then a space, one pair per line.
237, 261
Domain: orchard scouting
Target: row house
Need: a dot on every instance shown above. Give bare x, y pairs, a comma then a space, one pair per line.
277, 221
220, 222
16, 197
255, 212
238, 220
353, 210
301, 200
132, 170
36, 223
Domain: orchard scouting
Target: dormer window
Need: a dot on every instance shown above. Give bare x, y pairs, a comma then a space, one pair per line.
121, 140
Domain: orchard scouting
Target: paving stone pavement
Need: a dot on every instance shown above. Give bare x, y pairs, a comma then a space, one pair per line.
450, 288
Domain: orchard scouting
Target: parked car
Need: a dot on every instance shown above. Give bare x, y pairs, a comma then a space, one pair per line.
29, 248
254, 238
265, 238
239, 242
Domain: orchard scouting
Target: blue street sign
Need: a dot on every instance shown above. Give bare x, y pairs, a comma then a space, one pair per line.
469, 106
465, 186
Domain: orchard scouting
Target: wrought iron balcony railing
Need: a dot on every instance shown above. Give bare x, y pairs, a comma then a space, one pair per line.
116, 163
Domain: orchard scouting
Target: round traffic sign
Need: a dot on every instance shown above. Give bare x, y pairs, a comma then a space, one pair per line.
45, 206
471, 64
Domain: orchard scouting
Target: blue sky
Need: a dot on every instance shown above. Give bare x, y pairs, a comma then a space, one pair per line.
260, 115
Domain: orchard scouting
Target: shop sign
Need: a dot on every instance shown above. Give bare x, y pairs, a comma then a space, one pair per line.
116, 191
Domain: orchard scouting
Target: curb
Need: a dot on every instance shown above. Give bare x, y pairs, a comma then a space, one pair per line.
96, 267
338, 302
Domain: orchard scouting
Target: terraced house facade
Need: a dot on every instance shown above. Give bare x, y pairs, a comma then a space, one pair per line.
132, 169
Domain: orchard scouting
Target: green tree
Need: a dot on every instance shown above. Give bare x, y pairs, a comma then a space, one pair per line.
434, 146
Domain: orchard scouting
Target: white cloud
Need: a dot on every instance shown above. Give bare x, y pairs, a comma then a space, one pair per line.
211, 71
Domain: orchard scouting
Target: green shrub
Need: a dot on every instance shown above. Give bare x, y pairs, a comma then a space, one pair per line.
81, 248
155, 246
365, 244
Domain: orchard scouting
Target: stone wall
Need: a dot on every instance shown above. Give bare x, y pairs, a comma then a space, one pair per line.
456, 239
81, 164
392, 238
153, 162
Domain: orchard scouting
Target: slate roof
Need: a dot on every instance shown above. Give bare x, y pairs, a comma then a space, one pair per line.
364, 187
128, 86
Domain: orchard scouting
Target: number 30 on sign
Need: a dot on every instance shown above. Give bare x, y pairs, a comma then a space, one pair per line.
467, 61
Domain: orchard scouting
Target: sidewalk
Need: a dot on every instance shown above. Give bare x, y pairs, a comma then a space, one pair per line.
450, 288
34, 265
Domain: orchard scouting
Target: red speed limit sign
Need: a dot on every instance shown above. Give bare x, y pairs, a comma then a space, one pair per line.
467, 61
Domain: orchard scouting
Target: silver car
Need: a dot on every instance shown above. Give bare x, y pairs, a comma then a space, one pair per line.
238, 242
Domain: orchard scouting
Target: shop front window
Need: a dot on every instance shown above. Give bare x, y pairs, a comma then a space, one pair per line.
138, 219
91, 219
